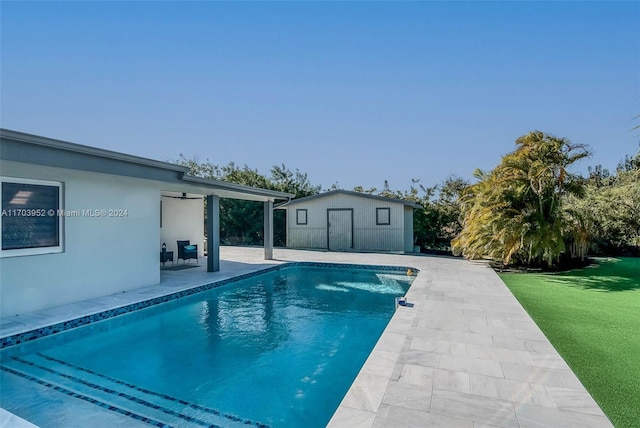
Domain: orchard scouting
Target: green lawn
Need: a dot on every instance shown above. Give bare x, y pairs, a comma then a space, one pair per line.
592, 317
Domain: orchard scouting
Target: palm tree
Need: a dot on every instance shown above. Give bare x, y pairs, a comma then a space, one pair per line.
514, 213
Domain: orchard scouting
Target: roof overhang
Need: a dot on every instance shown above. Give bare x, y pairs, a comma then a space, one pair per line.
27, 148
349, 193
224, 188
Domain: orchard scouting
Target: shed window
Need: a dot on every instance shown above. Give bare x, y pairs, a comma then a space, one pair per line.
301, 216
383, 216
31, 217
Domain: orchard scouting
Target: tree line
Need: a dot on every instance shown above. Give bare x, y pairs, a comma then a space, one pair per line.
241, 222
531, 209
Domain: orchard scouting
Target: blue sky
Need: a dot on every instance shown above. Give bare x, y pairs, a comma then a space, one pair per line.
348, 92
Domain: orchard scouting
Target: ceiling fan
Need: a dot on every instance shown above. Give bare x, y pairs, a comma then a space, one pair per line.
184, 196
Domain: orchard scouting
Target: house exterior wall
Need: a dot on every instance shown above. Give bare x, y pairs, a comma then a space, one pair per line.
182, 219
367, 235
102, 255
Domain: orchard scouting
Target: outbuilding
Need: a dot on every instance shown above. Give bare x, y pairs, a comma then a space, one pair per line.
342, 220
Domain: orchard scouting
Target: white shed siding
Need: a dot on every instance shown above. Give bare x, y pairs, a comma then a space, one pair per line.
367, 235
299, 237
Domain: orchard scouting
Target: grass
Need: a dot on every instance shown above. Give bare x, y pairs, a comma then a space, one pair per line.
592, 318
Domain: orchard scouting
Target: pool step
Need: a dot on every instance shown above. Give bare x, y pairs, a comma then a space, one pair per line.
80, 396
139, 401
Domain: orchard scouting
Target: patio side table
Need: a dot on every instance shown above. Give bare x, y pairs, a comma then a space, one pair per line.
166, 255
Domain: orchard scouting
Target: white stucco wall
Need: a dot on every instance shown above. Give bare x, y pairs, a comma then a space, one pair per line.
182, 219
367, 235
102, 255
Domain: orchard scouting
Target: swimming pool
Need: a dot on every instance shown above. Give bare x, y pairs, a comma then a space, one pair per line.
279, 349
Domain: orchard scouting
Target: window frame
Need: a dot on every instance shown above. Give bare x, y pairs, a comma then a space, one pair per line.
306, 216
16, 252
380, 210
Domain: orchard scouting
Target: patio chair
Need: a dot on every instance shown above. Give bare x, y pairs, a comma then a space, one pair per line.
187, 251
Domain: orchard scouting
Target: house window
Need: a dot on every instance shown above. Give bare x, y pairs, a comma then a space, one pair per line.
31, 220
383, 216
301, 216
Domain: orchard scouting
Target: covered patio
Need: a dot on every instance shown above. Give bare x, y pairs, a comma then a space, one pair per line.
183, 216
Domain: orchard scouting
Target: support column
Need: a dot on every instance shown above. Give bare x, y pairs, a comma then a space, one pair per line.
213, 233
268, 230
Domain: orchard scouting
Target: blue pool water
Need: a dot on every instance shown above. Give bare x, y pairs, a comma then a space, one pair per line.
279, 349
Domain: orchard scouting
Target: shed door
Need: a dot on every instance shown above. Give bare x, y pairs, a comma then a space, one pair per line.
340, 229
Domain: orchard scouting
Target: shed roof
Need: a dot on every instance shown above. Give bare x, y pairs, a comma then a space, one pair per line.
350, 193
28, 148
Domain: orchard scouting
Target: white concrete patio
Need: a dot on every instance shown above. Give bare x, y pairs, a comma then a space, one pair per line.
464, 355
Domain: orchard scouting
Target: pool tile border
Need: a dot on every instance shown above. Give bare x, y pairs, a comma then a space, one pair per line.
27, 336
